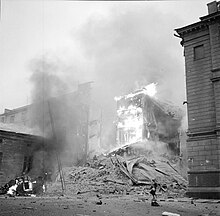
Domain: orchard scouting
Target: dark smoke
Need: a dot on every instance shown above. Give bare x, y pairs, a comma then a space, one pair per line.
129, 49
132, 48
58, 110
123, 51
47, 78
47, 84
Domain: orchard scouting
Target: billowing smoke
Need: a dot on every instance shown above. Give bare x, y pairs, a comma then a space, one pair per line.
132, 48
47, 83
46, 78
128, 49
125, 50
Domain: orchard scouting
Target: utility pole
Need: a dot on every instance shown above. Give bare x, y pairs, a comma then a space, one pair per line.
100, 130
57, 155
87, 132
85, 91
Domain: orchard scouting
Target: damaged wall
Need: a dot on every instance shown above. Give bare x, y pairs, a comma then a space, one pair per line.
141, 117
17, 155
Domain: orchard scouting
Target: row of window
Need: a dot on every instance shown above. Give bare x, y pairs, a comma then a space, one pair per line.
12, 118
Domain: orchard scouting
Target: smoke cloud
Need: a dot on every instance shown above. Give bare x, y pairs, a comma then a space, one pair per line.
130, 49
123, 51
133, 48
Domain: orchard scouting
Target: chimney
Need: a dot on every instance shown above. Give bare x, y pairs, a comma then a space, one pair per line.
213, 7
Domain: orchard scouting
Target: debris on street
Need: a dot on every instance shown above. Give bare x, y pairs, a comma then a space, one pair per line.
169, 214
117, 175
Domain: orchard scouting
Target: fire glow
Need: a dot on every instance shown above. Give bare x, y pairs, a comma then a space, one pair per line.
130, 127
130, 124
149, 90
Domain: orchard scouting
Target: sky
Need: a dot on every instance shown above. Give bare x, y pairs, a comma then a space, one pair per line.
120, 46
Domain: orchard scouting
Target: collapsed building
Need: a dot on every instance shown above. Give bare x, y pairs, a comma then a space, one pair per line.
142, 117
201, 42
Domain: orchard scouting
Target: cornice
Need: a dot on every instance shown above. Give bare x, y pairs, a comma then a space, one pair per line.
202, 24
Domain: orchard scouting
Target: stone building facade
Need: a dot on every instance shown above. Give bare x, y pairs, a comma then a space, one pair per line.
201, 42
20, 116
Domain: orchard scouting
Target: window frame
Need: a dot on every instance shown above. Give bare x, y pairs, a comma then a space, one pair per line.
12, 118
197, 55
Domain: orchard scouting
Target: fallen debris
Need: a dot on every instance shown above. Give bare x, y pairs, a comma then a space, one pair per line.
120, 176
169, 214
99, 202
154, 203
29, 208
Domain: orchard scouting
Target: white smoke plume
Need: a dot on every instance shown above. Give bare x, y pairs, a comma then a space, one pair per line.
129, 48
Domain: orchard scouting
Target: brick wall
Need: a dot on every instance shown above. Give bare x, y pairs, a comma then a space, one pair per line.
14, 148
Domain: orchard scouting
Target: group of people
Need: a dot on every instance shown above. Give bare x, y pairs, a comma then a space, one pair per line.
23, 186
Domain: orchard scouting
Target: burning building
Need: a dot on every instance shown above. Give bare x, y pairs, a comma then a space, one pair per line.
201, 42
142, 117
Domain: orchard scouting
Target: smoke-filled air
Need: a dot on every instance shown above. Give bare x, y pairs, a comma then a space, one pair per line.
121, 52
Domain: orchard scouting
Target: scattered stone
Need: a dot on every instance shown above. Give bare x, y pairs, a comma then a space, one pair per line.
29, 208
99, 202
169, 214
120, 176
154, 203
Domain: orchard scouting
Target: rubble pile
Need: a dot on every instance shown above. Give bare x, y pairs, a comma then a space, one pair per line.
117, 175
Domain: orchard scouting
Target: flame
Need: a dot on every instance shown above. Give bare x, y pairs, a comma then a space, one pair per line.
130, 124
150, 89
130, 116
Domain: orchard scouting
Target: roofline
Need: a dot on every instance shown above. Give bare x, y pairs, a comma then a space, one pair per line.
198, 25
190, 28
51, 98
18, 134
15, 110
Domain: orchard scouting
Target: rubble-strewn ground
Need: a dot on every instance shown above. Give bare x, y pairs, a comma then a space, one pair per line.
114, 205
113, 186
117, 175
